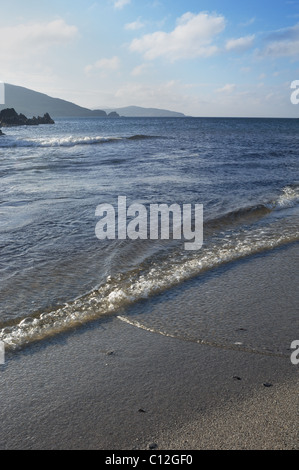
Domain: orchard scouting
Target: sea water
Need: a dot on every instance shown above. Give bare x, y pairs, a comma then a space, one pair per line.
55, 273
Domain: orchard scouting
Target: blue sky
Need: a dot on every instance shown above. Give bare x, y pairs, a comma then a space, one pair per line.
203, 58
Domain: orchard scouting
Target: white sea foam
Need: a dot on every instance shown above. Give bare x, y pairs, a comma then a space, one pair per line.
288, 198
70, 141
9, 141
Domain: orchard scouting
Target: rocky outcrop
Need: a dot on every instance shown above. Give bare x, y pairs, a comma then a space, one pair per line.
10, 118
46, 119
113, 114
1, 133
100, 113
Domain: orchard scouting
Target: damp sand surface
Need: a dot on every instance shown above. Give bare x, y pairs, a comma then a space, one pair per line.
128, 383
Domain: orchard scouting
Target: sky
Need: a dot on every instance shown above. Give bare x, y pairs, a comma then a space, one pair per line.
201, 58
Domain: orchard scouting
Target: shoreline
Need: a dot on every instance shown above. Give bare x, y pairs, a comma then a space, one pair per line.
112, 386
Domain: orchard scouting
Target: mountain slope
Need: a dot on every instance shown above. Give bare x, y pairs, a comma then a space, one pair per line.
33, 103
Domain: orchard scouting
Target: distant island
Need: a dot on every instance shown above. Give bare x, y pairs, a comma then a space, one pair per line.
137, 111
10, 118
33, 103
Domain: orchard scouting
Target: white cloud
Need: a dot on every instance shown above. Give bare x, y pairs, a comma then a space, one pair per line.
175, 96
140, 69
282, 43
134, 25
197, 99
104, 65
245, 69
269, 96
229, 88
240, 44
93, 6
282, 49
30, 38
191, 38
119, 4
167, 95
248, 23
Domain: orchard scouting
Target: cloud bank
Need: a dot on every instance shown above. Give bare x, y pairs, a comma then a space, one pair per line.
240, 44
119, 4
282, 43
29, 38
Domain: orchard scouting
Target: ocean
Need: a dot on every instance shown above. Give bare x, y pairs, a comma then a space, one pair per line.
56, 274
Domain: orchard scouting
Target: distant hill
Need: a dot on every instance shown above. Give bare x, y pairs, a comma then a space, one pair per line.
137, 111
33, 103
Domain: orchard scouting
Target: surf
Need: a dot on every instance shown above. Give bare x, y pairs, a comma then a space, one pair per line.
69, 141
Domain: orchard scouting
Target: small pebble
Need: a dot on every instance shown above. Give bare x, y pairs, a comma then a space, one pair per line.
141, 410
153, 446
109, 353
267, 385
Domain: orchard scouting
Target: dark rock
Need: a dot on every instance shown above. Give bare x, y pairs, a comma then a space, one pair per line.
10, 118
235, 377
268, 385
141, 411
1, 133
46, 119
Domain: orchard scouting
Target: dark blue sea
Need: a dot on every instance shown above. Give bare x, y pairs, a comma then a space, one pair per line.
54, 272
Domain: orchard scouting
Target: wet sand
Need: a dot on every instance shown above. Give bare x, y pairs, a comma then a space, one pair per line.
110, 385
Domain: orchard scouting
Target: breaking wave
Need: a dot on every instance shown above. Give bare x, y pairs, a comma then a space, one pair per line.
70, 141
288, 198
